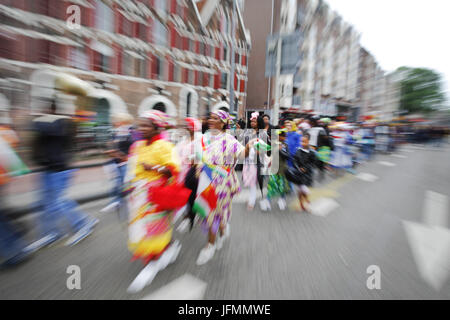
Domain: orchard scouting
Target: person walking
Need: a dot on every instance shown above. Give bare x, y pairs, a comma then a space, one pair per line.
251, 172
52, 144
305, 161
221, 153
13, 247
152, 175
122, 140
278, 185
189, 151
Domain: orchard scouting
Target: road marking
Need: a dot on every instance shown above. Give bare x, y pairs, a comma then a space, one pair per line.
323, 207
431, 251
386, 163
430, 241
435, 209
367, 177
186, 287
400, 156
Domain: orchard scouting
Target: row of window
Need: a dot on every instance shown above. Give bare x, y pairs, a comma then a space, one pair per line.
157, 68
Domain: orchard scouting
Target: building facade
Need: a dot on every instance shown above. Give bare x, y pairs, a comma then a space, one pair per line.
336, 76
173, 55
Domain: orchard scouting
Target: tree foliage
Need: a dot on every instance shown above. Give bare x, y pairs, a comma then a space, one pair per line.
421, 90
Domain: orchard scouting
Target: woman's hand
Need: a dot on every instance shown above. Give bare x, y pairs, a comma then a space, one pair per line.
161, 169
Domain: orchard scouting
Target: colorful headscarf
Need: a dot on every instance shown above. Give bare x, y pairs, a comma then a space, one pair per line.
223, 116
159, 118
254, 115
193, 124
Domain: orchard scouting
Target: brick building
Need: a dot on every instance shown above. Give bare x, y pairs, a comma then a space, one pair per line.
173, 55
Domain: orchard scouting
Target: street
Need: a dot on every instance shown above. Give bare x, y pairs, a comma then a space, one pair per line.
392, 214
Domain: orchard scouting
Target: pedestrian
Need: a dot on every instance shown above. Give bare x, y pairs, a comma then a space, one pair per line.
268, 127
13, 249
54, 134
305, 160
341, 158
122, 140
293, 139
253, 165
153, 168
278, 185
189, 150
221, 153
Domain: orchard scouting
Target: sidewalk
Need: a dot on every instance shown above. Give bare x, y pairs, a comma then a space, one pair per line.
22, 193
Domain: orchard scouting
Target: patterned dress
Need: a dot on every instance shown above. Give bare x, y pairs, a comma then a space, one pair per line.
222, 150
150, 232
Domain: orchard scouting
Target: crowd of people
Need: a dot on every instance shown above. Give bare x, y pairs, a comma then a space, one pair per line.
199, 163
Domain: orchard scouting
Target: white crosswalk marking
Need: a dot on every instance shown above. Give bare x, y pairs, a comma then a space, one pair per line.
323, 207
387, 163
400, 156
367, 177
186, 287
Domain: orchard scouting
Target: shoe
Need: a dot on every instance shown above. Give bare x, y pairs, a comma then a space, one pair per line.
169, 256
82, 233
145, 277
282, 204
227, 231
110, 207
43, 242
206, 254
265, 205
20, 257
184, 226
219, 242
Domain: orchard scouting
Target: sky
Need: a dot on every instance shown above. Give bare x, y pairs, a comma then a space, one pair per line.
412, 33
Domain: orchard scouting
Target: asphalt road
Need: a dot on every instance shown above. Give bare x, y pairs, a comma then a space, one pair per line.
394, 216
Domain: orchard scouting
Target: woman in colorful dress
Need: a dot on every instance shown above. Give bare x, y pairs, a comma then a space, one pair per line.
221, 152
151, 164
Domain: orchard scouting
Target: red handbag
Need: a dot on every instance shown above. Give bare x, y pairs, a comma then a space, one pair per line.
169, 197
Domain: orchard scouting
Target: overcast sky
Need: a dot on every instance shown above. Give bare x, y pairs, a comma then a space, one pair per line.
414, 33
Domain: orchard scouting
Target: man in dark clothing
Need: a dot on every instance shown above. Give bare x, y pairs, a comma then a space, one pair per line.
51, 150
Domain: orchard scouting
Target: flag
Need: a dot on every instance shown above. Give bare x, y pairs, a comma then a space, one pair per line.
206, 200
261, 145
10, 161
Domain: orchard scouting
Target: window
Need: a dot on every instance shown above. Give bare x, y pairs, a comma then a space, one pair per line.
190, 77
224, 80
104, 17
79, 59
188, 104
159, 30
142, 68
225, 52
177, 73
127, 65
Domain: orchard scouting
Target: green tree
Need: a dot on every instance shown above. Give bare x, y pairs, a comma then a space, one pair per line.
421, 90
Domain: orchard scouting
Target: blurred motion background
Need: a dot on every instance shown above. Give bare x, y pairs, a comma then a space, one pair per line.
188, 58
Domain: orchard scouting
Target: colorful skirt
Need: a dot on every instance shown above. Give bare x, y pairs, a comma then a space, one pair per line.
277, 186
324, 154
226, 188
149, 231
